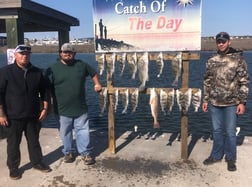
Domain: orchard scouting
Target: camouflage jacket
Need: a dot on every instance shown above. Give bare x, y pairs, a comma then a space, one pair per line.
226, 79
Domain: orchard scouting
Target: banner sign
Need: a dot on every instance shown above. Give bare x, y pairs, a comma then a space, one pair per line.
147, 25
10, 56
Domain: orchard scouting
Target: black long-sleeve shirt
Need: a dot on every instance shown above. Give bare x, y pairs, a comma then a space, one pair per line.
22, 90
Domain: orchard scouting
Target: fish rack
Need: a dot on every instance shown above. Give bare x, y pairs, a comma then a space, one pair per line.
186, 57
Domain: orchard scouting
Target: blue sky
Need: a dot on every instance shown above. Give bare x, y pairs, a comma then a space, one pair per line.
232, 16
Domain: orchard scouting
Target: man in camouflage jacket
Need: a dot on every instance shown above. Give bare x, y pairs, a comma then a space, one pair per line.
226, 83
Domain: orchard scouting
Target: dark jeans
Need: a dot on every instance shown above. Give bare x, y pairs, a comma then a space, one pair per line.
31, 128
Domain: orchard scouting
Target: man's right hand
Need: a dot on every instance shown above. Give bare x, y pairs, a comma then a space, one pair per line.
3, 121
205, 107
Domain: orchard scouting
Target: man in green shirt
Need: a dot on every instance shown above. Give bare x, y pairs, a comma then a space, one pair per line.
67, 77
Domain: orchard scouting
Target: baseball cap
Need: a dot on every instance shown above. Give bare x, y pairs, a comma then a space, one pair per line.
23, 48
222, 36
67, 47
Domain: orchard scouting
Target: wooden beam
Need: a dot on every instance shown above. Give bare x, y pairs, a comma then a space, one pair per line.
10, 3
34, 17
153, 55
34, 20
42, 10
111, 90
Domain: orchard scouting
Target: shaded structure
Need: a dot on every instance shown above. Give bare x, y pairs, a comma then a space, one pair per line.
20, 16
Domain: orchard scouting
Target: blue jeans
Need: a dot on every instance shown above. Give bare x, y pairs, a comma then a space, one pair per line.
224, 129
80, 125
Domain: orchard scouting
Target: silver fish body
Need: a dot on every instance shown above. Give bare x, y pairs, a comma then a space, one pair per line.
176, 68
184, 100
196, 99
154, 106
178, 98
132, 62
143, 69
171, 96
101, 63
125, 100
160, 63
115, 99
122, 63
187, 99
134, 99
163, 100
103, 100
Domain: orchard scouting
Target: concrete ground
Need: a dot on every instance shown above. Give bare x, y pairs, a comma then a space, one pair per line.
137, 163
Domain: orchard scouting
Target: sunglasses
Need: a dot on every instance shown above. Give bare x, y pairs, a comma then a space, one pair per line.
67, 52
25, 53
221, 42
24, 48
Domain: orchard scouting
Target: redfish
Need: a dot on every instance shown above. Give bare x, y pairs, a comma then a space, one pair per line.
154, 106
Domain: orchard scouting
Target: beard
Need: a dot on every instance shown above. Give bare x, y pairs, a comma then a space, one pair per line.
68, 61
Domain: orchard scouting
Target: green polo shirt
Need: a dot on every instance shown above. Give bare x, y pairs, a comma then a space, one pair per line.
68, 82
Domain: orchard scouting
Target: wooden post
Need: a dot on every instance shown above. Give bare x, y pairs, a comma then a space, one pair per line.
111, 116
63, 37
111, 125
184, 117
15, 33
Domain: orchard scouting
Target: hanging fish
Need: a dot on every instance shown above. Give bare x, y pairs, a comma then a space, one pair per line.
187, 99
143, 70
160, 63
110, 64
132, 61
101, 63
163, 100
196, 99
125, 100
171, 96
184, 100
176, 68
154, 135
122, 63
103, 100
179, 97
115, 99
134, 99
154, 106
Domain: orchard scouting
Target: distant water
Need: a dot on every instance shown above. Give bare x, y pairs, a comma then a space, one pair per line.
198, 122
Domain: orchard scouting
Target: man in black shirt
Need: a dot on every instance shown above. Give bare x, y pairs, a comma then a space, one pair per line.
22, 90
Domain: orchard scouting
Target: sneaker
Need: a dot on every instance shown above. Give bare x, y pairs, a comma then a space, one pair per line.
88, 160
68, 158
147, 135
210, 161
154, 136
42, 167
231, 165
15, 174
